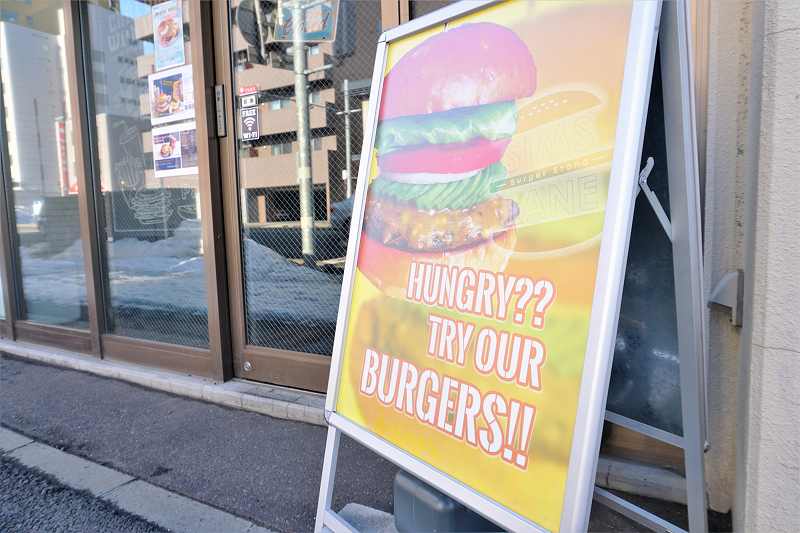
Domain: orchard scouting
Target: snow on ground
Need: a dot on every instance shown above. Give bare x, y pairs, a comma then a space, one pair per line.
169, 275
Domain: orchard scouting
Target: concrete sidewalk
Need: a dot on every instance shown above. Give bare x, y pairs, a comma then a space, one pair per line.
100, 496
258, 468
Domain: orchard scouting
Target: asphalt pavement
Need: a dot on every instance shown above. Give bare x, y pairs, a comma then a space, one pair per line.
262, 469
31, 501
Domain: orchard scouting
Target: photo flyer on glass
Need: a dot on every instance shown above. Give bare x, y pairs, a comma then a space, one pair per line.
168, 34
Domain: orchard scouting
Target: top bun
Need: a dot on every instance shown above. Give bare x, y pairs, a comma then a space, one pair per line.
471, 64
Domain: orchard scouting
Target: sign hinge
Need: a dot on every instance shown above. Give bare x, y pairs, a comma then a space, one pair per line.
653, 199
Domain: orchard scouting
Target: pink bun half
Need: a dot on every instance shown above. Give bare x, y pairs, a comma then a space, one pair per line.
469, 65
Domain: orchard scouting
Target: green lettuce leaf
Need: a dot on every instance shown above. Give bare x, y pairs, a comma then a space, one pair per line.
460, 194
490, 121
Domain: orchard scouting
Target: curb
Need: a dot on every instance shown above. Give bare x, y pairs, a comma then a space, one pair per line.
277, 402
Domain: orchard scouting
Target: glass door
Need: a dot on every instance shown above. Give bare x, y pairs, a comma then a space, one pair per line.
295, 141
44, 248
139, 73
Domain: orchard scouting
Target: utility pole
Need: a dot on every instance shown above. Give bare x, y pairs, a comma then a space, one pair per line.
347, 147
262, 39
347, 172
303, 133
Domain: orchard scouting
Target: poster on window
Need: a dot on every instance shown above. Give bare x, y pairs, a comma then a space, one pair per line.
168, 35
471, 322
175, 150
171, 95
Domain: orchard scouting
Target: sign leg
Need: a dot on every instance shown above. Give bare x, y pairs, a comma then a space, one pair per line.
685, 214
328, 476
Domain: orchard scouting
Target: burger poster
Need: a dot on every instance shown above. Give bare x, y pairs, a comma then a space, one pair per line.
171, 95
168, 35
175, 150
469, 310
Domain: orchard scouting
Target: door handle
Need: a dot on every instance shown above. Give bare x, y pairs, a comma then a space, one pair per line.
219, 101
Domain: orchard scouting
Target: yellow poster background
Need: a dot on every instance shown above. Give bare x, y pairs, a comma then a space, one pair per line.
558, 165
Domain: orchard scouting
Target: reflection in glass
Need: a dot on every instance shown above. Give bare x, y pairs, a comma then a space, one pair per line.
2, 301
418, 8
40, 167
147, 179
645, 377
291, 295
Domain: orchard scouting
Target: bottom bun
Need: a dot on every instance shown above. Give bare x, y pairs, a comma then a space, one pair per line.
387, 268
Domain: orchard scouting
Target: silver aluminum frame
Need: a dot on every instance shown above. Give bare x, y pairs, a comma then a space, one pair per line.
684, 198
640, 55
633, 512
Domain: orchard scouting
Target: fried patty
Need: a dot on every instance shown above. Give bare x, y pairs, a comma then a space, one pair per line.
403, 226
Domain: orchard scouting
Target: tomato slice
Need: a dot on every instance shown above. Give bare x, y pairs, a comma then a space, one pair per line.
445, 158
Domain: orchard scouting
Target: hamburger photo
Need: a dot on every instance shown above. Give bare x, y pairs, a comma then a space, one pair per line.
161, 102
168, 30
176, 102
167, 147
445, 121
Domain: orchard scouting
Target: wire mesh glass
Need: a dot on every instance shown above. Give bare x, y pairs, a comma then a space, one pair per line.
146, 177
291, 291
418, 8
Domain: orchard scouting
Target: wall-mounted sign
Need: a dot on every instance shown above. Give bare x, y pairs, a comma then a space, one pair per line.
248, 89
248, 123
319, 21
477, 321
248, 100
168, 35
175, 150
171, 95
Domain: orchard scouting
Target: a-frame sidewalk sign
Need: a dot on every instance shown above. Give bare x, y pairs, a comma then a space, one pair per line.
501, 164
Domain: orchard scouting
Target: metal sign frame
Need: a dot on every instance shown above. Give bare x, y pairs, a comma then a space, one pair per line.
623, 189
684, 232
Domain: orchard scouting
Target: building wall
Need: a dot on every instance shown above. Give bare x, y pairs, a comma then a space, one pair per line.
33, 97
114, 51
728, 77
768, 458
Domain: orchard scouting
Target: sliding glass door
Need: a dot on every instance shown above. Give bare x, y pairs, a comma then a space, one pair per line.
41, 186
138, 71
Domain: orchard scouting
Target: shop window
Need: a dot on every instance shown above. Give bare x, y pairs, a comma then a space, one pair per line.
290, 304
38, 124
147, 178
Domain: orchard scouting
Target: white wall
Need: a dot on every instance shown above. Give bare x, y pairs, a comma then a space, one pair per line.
768, 435
34, 98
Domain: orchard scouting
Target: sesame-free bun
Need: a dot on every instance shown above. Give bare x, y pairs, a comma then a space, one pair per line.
469, 65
